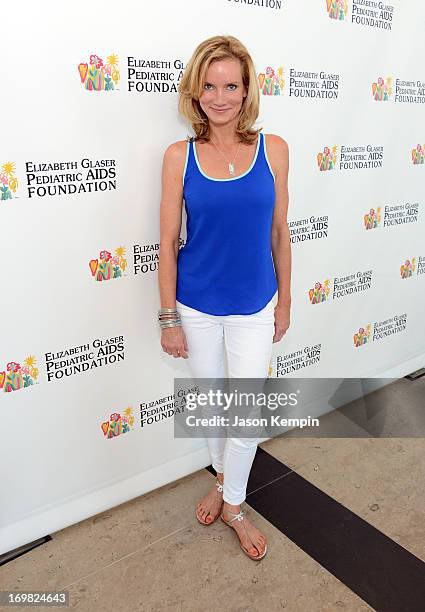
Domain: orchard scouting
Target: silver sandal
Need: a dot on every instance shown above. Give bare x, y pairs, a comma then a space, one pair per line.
220, 490
240, 517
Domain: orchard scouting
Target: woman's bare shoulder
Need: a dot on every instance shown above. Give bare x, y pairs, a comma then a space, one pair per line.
176, 150
278, 153
277, 143
174, 161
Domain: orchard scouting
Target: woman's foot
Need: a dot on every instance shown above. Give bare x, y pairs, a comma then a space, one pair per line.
251, 538
209, 508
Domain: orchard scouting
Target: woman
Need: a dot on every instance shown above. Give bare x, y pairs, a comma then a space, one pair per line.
217, 293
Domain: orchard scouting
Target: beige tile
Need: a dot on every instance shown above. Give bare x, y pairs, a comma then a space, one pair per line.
159, 558
96, 542
203, 568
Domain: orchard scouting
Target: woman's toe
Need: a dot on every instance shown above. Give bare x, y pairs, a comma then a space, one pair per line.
260, 547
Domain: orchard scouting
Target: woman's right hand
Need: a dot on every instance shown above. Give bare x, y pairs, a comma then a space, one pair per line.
173, 341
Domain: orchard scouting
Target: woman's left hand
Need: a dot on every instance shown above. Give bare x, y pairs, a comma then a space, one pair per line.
281, 320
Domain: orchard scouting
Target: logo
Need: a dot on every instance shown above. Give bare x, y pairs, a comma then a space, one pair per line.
413, 267
351, 157
327, 159
412, 92
380, 329
363, 335
341, 285
407, 269
297, 360
337, 9
146, 257
98, 76
302, 83
369, 13
271, 82
153, 75
418, 154
320, 293
8, 181
118, 424
57, 178
373, 218
18, 377
164, 407
309, 228
382, 90
89, 356
399, 214
107, 267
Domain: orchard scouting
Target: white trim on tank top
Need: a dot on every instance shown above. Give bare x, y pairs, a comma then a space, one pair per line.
187, 159
235, 177
267, 159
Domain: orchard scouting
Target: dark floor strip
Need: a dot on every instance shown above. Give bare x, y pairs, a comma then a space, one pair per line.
384, 574
22, 550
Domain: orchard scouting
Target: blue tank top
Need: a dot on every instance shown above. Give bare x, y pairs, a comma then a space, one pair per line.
226, 266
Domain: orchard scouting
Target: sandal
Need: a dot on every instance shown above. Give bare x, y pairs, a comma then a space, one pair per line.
220, 490
239, 517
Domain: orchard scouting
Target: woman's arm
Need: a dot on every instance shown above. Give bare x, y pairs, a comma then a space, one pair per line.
278, 153
170, 221
281, 243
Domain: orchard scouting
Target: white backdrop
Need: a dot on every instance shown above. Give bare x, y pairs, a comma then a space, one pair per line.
64, 456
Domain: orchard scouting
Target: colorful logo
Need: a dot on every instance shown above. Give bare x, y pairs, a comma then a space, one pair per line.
373, 218
327, 159
418, 154
98, 76
337, 9
407, 269
118, 424
382, 90
271, 83
107, 267
8, 181
18, 377
363, 335
320, 292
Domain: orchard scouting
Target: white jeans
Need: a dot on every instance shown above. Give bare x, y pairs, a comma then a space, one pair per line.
248, 340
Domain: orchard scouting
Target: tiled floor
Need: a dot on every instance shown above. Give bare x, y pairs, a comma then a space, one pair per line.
341, 515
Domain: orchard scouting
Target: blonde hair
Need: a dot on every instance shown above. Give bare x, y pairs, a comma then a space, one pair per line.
191, 86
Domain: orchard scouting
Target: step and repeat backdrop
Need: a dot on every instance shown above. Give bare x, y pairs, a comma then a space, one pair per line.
89, 107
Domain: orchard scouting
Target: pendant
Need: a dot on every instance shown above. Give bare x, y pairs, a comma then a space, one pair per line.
231, 168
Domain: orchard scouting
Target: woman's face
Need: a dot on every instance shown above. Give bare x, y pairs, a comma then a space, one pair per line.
223, 91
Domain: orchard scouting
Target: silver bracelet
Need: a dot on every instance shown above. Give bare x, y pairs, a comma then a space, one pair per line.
173, 323
168, 316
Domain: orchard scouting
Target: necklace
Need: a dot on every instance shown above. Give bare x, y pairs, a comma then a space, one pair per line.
231, 163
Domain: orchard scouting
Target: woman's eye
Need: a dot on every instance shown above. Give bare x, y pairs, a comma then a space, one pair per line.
207, 85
